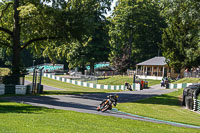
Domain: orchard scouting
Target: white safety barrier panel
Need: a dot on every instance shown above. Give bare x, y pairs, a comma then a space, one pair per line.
20, 89
2, 89
137, 87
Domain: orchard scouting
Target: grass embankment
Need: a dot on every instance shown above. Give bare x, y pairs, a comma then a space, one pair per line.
120, 80
188, 80
21, 118
67, 88
164, 107
4, 71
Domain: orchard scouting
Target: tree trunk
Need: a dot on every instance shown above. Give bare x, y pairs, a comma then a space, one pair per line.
16, 43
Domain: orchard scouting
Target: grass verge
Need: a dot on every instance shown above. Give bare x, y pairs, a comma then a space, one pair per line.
120, 80
188, 80
67, 88
164, 107
21, 118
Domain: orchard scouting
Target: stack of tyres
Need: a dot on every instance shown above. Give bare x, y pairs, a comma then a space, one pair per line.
185, 93
189, 94
189, 102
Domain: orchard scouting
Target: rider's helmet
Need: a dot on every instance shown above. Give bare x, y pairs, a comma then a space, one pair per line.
116, 96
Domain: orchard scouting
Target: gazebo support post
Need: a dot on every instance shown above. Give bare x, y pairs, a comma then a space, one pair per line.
163, 71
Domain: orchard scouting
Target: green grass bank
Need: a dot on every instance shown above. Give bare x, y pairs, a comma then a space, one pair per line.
165, 107
21, 118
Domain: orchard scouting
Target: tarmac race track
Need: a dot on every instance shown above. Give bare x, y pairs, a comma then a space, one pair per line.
87, 103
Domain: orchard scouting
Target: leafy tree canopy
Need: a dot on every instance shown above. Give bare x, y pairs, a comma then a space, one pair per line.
135, 32
36, 25
181, 39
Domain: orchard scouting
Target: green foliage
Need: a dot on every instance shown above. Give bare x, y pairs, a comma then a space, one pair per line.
94, 49
36, 25
135, 32
4, 71
180, 40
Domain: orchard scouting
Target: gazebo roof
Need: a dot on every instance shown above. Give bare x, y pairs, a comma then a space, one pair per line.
156, 61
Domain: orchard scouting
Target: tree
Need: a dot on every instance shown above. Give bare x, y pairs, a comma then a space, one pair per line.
181, 39
33, 24
135, 32
89, 49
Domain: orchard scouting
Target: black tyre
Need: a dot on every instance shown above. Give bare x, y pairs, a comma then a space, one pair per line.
100, 106
106, 107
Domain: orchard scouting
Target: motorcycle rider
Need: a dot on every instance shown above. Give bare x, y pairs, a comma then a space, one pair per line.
128, 86
113, 99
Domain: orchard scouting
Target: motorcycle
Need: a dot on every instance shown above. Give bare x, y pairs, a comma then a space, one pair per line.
108, 103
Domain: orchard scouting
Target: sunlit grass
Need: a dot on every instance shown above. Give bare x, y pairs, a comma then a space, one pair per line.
21, 118
67, 87
164, 107
188, 80
120, 80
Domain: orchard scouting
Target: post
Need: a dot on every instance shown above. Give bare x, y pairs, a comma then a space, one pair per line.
146, 71
163, 71
33, 80
39, 89
134, 77
35, 84
136, 69
33, 63
143, 70
157, 71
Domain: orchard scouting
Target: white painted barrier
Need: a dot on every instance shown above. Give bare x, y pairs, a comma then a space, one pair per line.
20, 89
2, 89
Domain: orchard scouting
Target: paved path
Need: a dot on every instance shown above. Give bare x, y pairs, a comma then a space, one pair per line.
87, 103
46, 88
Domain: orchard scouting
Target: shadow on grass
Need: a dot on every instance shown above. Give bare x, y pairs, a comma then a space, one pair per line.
162, 100
22, 108
44, 101
67, 92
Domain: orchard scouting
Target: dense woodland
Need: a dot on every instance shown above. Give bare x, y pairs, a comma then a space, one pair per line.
77, 33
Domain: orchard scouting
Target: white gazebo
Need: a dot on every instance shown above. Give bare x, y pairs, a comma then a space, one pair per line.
154, 68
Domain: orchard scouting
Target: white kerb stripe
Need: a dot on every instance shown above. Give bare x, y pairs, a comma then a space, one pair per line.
91, 85
85, 84
117, 88
122, 87
112, 87
98, 86
172, 86
179, 86
106, 87
68, 80
79, 82
73, 81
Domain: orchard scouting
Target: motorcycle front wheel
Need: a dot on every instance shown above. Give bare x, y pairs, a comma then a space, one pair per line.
106, 107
